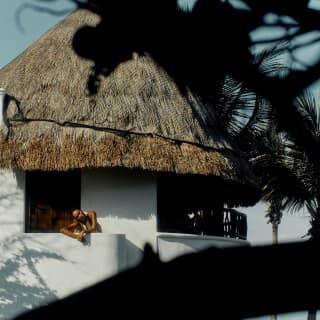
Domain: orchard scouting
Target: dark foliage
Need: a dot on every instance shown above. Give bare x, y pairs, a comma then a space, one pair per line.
230, 283
199, 47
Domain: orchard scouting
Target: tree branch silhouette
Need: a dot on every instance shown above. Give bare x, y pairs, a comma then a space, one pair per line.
238, 282
199, 47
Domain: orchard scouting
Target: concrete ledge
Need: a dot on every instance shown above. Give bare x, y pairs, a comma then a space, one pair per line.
40, 267
103, 254
171, 245
67, 265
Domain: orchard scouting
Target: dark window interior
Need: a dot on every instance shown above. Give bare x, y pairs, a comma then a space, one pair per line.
50, 198
184, 203
195, 205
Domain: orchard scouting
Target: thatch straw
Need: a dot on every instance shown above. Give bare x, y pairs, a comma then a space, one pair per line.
138, 119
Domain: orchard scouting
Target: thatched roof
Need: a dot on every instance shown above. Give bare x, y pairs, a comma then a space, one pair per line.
138, 119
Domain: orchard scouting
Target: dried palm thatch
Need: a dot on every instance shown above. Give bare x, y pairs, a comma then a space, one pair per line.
138, 119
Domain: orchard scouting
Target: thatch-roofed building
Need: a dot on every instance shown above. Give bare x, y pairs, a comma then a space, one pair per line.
139, 152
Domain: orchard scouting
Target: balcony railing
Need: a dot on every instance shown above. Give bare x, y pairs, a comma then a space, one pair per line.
228, 223
234, 224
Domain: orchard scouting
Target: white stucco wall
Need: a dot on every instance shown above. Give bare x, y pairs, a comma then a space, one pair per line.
36, 268
125, 202
171, 246
39, 268
11, 202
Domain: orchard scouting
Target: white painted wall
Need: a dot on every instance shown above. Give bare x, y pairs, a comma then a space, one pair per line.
37, 268
12, 184
173, 245
125, 202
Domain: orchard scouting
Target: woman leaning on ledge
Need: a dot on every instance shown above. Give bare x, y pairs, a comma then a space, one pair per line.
84, 222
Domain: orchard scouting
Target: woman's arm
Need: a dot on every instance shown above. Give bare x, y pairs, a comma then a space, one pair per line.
93, 220
69, 231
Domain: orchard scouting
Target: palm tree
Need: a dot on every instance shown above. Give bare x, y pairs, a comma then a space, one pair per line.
274, 214
288, 175
290, 178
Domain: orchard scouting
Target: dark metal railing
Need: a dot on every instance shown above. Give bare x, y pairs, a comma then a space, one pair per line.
222, 222
228, 223
234, 224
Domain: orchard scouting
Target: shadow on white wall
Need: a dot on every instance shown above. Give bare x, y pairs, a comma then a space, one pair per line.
21, 285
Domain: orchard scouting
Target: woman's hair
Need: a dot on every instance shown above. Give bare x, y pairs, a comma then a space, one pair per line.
75, 213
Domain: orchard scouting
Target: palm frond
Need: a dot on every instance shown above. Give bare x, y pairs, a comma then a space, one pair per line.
290, 180
270, 61
307, 106
234, 105
279, 179
246, 115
